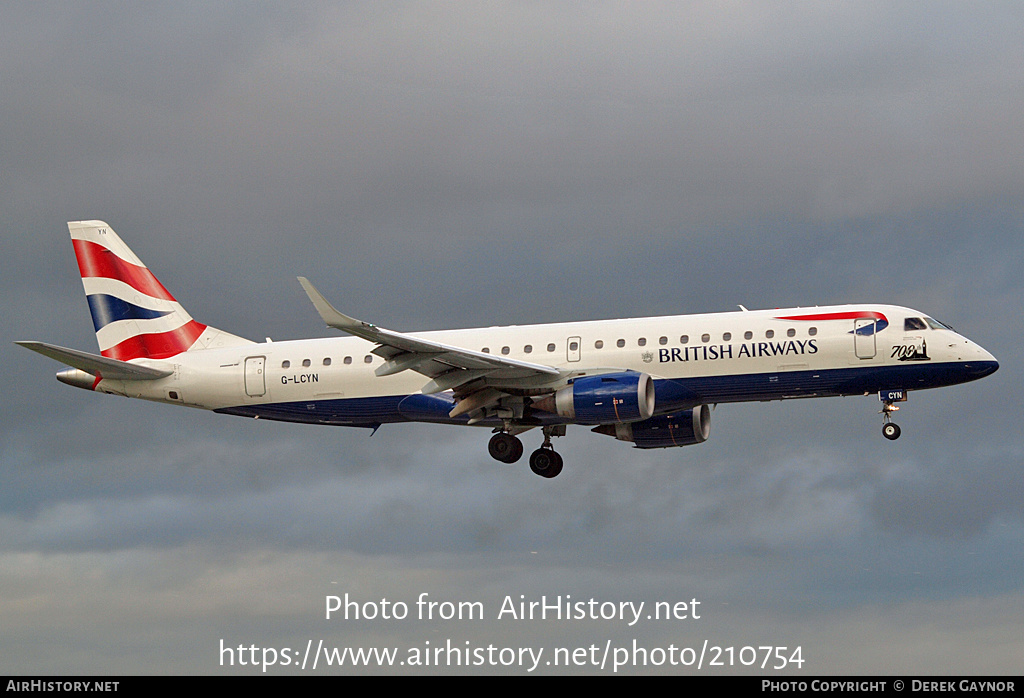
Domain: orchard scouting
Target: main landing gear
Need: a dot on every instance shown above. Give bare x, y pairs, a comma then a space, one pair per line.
505, 447
544, 461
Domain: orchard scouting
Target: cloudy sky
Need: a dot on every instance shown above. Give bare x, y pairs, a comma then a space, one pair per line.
434, 165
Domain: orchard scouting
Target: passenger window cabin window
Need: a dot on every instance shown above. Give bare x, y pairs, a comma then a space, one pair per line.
913, 324
486, 350
305, 363
286, 364
705, 337
748, 335
685, 339
791, 332
727, 336
769, 334
663, 340
620, 343
327, 361
551, 347
812, 331
348, 360
368, 359
574, 346
505, 350
599, 344
642, 342
528, 349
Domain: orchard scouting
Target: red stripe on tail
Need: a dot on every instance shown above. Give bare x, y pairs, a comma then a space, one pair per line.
97, 261
157, 346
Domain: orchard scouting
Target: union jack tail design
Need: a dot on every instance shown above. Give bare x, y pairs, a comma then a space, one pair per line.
134, 315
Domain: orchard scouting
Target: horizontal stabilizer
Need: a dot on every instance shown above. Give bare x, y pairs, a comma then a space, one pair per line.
97, 365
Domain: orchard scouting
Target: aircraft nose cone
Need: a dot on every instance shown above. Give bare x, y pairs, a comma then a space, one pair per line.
988, 367
987, 364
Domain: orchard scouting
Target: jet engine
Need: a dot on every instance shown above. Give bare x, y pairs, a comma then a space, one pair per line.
612, 398
664, 431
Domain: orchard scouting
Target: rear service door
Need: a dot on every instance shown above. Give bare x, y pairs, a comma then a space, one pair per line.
255, 378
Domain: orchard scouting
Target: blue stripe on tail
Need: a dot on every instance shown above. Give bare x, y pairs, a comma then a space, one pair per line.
106, 309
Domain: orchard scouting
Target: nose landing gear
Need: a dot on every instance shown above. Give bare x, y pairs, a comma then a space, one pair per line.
890, 429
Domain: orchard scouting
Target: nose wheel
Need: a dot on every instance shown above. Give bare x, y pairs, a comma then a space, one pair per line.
890, 429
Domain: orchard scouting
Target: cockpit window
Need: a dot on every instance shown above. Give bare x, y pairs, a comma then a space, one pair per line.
936, 325
914, 323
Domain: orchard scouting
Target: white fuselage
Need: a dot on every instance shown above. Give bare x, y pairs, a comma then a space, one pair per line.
729, 357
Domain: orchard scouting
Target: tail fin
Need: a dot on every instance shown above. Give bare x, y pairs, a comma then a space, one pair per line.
134, 315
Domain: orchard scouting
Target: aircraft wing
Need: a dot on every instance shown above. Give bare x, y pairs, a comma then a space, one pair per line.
448, 367
100, 366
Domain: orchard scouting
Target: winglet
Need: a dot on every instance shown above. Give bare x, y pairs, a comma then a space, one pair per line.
399, 344
327, 312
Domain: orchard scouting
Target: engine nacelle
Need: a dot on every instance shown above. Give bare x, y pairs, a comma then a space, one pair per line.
612, 398
664, 431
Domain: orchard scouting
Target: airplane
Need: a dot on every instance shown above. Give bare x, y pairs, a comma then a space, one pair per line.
647, 381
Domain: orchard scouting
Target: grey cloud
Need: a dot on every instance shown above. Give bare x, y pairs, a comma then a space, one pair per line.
432, 166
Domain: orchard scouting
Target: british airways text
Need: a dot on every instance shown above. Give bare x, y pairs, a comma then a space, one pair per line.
751, 350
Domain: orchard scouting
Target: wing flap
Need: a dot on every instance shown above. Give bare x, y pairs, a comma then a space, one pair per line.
452, 380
